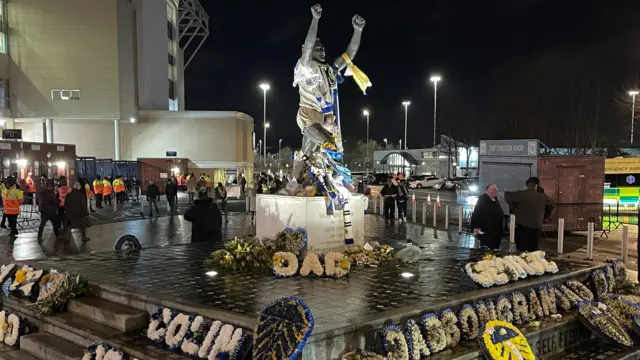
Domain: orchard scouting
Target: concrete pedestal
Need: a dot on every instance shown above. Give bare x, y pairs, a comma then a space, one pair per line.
325, 233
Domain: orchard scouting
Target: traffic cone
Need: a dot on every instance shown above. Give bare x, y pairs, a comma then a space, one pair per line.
429, 199
438, 201
413, 198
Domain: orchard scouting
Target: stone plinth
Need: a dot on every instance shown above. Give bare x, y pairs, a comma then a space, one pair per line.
324, 232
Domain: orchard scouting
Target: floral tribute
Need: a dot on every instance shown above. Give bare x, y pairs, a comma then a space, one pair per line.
12, 328
501, 340
57, 289
186, 333
311, 265
102, 351
437, 340
293, 241
449, 322
282, 330
469, 322
598, 318
285, 264
624, 311
25, 282
493, 271
415, 342
336, 264
243, 255
369, 255
6, 272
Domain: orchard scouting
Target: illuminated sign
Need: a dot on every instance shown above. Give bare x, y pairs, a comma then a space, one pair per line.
622, 166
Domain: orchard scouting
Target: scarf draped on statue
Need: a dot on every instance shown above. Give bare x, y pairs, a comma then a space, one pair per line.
358, 75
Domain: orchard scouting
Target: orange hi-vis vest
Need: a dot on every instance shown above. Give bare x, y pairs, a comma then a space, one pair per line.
118, 185
31, 185
11, 199
106, 187
87, 190
208, 181
98, 186
62, 193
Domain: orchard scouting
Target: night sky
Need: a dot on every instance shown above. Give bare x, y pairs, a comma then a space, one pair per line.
477, 47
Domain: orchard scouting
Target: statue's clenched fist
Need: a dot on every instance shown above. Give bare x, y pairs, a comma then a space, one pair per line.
358, 22
316, 11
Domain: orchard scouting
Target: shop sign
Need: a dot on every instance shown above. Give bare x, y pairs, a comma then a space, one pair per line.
509, 147
172, 153
622, 166
12, 134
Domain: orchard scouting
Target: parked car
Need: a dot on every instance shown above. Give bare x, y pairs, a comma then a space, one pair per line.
425, 182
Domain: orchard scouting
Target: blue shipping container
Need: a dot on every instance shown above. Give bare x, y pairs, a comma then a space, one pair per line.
104, 167
86, 167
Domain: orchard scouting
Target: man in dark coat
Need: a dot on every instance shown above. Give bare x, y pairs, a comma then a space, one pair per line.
48, 203
487, 220
206, 219
389, 192
171, 190
76, 211
531, 207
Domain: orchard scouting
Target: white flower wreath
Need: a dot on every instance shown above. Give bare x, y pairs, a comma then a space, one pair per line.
203, 352
12, 333
177, 330
311, 264
333, 270
25, 285
285, 264
226, 342
114, 354
188, 346
4, 271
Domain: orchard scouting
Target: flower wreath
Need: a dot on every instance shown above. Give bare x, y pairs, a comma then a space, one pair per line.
12, 328
285, 264
292, 247
177, 330
547, 300
620, 271
24, 281
311, 265
598, 319
282, 330
416, 345
469, 322
600, 283
158, 326
562, 300
574, 299
194, 336
503, 309
501, 340
7, 272
101, 351
436, 338
520, 308
486, 311
580, 289
535, 307
611, 278
394, 343
449, 322
336, 264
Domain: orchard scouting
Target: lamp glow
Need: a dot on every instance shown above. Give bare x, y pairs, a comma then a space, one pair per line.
267, 125
22, 162
633, 92
265, 86
406, 103
365, 112
211, 273
407, 275
435, 78
61, 164
133, 120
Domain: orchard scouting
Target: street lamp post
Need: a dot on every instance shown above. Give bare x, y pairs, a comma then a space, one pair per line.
279, 158
406, 112
633, 94
366, 113
265, 87
434, 79
400, 144
386, 145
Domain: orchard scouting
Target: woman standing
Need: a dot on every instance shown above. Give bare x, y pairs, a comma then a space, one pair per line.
487, 220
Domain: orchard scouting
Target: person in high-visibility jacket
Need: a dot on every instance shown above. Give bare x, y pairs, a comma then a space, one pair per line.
106, 190
119, 189
62, 190
87, 192
207, 180
97, 190
31, 185
11, 199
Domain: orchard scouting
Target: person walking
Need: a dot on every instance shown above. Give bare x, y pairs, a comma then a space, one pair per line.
107, 188
206, 220
389, 192
487, 220
221, 197
402, 198
531, 207
98, 187
87, 192
153, 195
243, 185
135, 184
171, 190
192, 183
63, 190
77, 216
48, 203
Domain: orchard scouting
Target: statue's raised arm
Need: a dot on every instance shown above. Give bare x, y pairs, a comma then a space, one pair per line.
358, 24
310, 40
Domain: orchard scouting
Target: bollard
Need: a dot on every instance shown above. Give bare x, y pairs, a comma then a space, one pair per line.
424, 214
590, 241
435, 215
375, 204
625, 243
460, 219
395, 203
413, 209
512, 229
446, 217
560, 235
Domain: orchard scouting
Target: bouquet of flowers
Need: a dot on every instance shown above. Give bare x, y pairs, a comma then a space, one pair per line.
289, 240
360, 354
56, 289
24, 281
369, 255
239, 254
